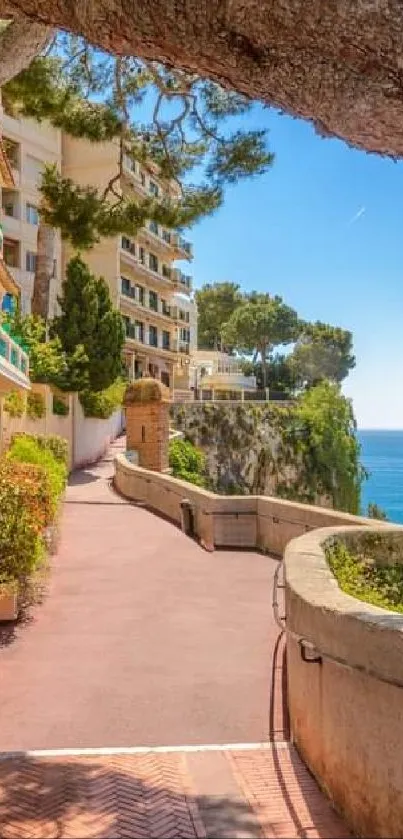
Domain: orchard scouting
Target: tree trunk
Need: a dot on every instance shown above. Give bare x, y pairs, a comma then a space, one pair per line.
336, 63
44, 270
263, 356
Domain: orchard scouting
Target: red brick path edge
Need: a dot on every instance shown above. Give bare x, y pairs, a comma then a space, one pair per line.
264, 792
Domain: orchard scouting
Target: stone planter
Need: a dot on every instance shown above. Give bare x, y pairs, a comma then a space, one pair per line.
8, 602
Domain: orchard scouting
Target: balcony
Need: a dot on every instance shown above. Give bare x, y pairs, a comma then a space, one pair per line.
186, 247
14, 363
164, 272
184, 281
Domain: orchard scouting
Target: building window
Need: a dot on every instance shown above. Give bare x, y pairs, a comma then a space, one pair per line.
153, 300
128, 245
165, 309
143, 178
166, 235
140, 331
165, 378
12, 151
125, 286
153, 262
154, 189
166, 340
30, 261
166, 272
184, 335
153, 226
140, 294
9, 203
11, 253
142, 256
31, 214
153, 336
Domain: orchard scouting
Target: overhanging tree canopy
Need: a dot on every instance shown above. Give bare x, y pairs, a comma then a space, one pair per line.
335, 62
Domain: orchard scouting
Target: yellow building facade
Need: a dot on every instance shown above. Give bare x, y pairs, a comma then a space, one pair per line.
153, 295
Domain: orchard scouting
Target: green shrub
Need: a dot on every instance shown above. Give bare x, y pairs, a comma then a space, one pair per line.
187, 462
359, 576
51, 442
36, 407
22, 519
102, 404
14, 404
26, 450
60, 406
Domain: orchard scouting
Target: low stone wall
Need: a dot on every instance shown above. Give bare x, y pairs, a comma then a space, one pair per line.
228, 521
346, 707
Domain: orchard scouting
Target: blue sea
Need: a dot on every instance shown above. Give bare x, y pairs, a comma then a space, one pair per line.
382, 456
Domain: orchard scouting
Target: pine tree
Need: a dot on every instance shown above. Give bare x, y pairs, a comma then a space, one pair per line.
89, 328
92, 95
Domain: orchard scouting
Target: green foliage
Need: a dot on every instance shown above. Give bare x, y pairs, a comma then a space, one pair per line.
36, 407
27, 450
58, 446
260, 323
93, 95
89, 329
60, 406
23, 498
84, 218
14, 404
215, 305
359, 576
307, 452
187, 462
102, 404
323, 434
47, 364
322, 352
375, 512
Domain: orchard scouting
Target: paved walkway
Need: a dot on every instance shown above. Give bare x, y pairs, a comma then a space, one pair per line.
145, 640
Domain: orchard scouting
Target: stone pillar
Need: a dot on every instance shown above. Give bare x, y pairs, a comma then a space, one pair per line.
147, 423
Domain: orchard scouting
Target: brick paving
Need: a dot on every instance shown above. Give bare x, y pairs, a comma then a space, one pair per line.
146, 640
265, 792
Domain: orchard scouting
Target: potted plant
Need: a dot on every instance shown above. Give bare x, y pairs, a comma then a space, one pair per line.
8, 599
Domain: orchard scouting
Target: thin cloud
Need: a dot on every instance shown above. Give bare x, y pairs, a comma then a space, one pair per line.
357, 215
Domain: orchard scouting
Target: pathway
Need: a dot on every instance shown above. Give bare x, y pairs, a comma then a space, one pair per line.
145, 640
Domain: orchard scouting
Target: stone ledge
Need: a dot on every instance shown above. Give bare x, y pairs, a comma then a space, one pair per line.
346, 709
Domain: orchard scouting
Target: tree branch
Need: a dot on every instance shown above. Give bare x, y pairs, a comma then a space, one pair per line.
20, 41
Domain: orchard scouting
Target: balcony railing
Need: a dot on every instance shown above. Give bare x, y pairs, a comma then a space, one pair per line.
17, 358
186, 246
185, 280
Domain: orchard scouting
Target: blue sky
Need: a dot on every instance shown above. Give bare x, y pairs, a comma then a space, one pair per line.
323, 229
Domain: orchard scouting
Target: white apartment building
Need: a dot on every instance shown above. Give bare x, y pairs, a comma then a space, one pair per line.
28, 145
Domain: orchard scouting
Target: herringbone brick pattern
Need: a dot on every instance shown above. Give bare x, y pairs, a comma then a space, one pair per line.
138, 797
284, 796
153, 796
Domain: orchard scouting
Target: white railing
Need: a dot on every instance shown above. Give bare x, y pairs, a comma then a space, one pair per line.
14, 361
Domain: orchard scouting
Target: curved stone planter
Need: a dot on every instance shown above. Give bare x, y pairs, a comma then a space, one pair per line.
346, 697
